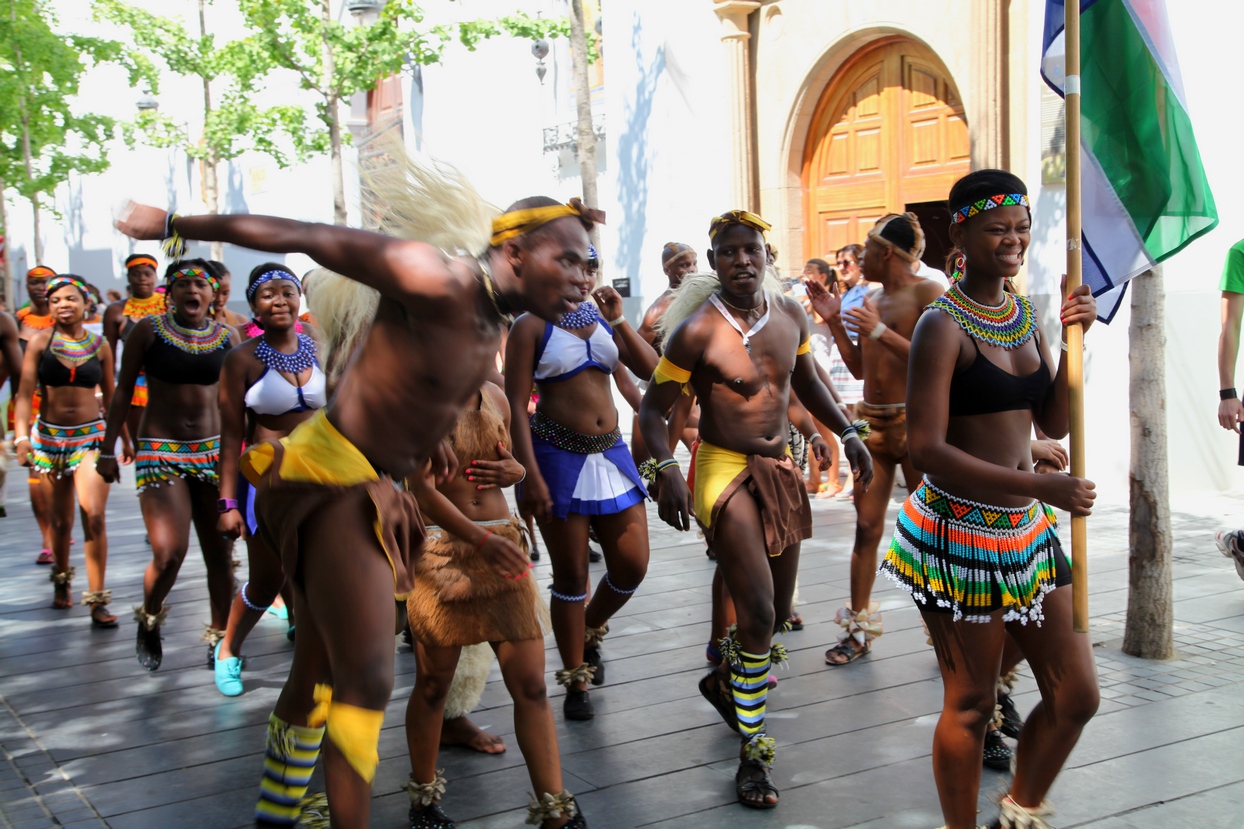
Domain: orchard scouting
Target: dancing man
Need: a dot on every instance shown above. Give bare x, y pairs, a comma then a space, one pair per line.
325, 496
742, 349
885, 320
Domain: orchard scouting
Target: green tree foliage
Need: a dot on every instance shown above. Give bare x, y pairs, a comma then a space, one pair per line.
44, 135
232, 122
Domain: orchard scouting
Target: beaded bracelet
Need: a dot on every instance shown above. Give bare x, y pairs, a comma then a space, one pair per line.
851, 431
20, 438
617, 322
104, 457
667, 463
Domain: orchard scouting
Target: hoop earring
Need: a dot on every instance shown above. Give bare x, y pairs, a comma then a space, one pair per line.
959, 267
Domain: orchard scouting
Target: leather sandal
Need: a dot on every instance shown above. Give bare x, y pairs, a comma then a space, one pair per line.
721, 698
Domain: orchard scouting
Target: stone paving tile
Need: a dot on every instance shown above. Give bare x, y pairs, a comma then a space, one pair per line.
88, 740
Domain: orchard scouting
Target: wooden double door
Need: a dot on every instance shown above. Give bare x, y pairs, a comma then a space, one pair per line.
888, 135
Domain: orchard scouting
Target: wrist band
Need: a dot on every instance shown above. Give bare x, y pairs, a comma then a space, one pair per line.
21, 438
480, 543
667, 463
879, 330
174, 246
520, 480
1227, 394
223, 505
617, 322
105, 457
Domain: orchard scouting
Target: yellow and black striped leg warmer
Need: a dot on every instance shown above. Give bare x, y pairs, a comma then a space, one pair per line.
749, 680
289, 760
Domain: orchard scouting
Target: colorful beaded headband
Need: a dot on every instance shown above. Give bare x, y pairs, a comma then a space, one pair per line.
989, 203
58, 282
138, 261
268, 276
193, 272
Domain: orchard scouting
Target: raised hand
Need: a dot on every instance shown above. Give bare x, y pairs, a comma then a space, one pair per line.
495, 474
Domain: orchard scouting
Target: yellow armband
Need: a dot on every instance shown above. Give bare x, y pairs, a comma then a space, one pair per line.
667, 372
805, 346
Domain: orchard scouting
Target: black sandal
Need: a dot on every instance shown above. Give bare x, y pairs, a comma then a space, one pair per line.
763, 785
430, 817
719, 698
997, 754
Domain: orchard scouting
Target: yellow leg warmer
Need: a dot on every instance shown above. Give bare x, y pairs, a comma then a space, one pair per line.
354, 731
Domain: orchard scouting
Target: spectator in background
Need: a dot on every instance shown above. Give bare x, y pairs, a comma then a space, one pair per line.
1230, 410
220, 310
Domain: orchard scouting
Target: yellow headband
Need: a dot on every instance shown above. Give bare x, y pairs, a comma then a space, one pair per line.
737, 217
520, 222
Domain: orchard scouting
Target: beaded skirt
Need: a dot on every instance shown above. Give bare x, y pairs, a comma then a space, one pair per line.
158, 461
57, 450
585, 474
972, 559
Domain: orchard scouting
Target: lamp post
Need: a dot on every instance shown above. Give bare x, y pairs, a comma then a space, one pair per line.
147, 103
540, 50
366, 12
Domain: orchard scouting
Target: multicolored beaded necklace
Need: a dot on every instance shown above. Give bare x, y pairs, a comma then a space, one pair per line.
295, 363
136, 308
581, 317
27, 317
1008, 325
75, 352
191, 340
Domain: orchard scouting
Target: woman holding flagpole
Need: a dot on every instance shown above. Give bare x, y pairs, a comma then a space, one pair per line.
976, 545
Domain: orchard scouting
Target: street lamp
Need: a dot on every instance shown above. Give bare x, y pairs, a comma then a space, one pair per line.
147, 103
366, 12
540, 50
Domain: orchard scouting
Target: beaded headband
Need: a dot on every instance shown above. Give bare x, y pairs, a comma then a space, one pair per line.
58, 282
737, 217
989, 203
268, 276
138, 261
194, 272
39, 270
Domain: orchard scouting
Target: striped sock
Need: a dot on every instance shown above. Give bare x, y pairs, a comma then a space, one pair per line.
749, 680
289, 760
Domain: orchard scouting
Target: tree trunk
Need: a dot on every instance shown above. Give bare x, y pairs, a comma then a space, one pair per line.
583, 106
211, 182
1150, 610
6, 273
333, 117
34, 197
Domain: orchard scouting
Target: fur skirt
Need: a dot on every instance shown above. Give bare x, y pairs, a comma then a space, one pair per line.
458, 599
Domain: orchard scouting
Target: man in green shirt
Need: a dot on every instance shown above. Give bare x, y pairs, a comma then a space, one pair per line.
1230, 410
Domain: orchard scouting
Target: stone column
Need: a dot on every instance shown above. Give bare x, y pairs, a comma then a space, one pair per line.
989, 117
735, 34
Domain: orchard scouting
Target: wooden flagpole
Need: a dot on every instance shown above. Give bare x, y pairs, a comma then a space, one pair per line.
1075, 333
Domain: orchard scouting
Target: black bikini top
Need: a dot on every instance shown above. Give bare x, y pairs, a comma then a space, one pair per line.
52, 372
984, 388
197, 363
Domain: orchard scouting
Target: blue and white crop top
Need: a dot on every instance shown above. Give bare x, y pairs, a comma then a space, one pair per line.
272, 394
561, 355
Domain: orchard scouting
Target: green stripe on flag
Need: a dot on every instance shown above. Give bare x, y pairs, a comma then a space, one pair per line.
1140, 134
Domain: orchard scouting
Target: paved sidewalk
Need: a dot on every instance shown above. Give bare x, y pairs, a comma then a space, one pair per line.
89, 739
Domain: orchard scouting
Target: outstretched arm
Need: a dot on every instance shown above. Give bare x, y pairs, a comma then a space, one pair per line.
397, 268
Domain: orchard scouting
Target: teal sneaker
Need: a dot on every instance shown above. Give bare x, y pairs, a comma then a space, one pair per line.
228, 674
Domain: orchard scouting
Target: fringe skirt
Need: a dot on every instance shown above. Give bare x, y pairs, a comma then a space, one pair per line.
971, 559
159, 461
57, 450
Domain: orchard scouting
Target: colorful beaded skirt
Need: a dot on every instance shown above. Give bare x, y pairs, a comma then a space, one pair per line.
57, 450
158, 461
972, 559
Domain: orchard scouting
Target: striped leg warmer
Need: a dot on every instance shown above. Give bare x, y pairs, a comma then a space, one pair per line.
289, 760
749, 679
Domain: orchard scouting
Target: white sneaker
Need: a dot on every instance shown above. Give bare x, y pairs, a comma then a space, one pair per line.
1231, 544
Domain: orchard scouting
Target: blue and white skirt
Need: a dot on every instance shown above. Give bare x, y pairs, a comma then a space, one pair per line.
585, 474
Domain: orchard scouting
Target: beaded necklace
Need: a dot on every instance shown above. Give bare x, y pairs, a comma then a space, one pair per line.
75, 352
581, 317
27, 317
136, 308
191, 340
295, 363
1008, 325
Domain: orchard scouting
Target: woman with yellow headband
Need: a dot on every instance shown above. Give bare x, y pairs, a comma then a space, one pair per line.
67, 363
425, 301
141, 274
580, 472
178, 447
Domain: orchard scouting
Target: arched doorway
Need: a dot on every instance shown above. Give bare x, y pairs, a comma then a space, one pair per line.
888, 135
